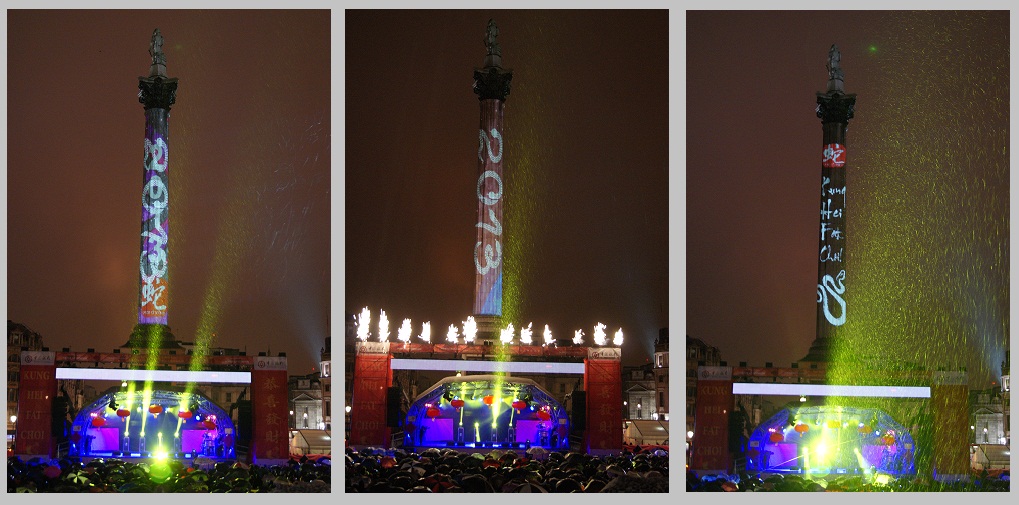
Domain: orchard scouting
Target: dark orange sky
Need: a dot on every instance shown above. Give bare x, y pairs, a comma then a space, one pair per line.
249, 140
586, 167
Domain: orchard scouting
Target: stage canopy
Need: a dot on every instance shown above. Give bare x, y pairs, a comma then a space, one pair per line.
831, 439
165, 420
486, 411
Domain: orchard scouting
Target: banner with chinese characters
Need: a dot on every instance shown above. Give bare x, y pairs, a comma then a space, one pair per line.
269, 409
37, 387
950, 402
604, 387
372, 378
711, 425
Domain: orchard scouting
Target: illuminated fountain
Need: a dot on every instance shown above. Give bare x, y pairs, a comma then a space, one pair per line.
403, 334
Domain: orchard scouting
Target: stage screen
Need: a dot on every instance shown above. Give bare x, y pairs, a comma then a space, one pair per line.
192, 439
106, 439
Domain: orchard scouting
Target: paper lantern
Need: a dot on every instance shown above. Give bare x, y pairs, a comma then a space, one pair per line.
776, 438
155, 409
457, 403
520, 404
209, 424
98, 421
432, 412
489, 399
543, 415
185, 414
802, 428
123, 412
888, 440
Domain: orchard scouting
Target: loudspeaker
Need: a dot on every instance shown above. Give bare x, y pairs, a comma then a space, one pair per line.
243, 428
578, 416
393, 407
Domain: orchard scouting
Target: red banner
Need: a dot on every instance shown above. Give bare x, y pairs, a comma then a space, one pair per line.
711, 428
37, 387
269, 404
949, 401
372, 378
603, 384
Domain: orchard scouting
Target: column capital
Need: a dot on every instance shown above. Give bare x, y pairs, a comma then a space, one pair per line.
835, 107
157, 92
492, 82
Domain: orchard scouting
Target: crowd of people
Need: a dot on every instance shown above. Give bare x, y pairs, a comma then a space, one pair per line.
71, 475
536, 471
848, 483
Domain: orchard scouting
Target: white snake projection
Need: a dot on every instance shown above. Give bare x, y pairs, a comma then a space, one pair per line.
828, 287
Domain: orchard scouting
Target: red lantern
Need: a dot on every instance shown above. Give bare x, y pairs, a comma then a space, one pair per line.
889, 440
98, 421
489, 399
457, 403
864, 429
209, 424
155, 409
185, 414
432, 412
123, 412
776, 438
543, 415
802, 428
519, 404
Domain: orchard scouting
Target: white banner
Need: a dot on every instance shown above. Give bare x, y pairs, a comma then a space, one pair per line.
270, 363
373, 348
714, 373
604, 353
949, 378
38, 357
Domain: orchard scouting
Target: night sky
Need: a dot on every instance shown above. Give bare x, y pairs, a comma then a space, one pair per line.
249, 143
927, 184
586, 169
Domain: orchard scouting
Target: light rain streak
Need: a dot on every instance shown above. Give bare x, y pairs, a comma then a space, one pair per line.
930, 174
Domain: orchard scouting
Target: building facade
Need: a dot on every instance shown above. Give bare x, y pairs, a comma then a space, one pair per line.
326, 381
661, 373
639, 392
305, 392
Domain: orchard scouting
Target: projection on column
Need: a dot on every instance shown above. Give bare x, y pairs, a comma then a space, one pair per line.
155, 229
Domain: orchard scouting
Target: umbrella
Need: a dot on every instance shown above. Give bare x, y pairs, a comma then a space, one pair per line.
537, 452
530, 487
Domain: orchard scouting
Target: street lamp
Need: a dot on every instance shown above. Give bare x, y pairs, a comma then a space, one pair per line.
347, 408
